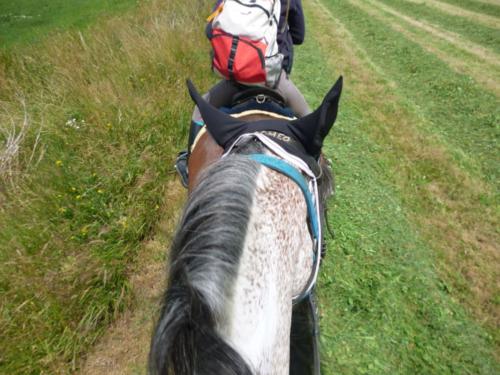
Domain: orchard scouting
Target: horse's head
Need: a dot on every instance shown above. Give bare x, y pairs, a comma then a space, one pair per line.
309, 131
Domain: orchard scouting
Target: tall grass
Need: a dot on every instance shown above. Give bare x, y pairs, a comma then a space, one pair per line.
89, 125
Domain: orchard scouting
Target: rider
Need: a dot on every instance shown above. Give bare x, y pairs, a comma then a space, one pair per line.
291, 30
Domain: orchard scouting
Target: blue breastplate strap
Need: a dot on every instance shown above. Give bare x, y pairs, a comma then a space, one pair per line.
282, 166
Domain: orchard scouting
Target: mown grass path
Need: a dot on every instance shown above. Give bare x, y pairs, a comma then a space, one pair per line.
482, 35
401, 290
459, 57
461, 12
491, 7
451, 37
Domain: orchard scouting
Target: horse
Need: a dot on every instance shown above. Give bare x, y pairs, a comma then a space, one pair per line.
246, 251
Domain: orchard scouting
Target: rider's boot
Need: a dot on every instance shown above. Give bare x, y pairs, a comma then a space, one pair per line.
304, 338
181, 163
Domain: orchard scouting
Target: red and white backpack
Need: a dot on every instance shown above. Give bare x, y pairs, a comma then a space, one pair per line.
244, 41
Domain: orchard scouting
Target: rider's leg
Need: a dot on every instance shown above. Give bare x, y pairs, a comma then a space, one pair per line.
293, 97
304, 335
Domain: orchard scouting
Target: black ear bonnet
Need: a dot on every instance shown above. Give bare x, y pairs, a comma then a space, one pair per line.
309, 131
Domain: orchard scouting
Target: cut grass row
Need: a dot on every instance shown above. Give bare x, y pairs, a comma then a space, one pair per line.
454, 55
454, 10
453, 38
28, 21
444, 101
460, 112
393, 299
106, 111
491, 7
488, 37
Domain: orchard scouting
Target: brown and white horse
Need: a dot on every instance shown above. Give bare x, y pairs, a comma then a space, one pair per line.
243, 250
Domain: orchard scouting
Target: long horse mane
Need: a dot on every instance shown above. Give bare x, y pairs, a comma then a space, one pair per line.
204, 259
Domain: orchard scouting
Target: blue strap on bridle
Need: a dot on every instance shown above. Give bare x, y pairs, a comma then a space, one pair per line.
282, 166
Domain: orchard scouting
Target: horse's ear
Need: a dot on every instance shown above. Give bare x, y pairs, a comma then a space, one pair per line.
315, 126
219, 124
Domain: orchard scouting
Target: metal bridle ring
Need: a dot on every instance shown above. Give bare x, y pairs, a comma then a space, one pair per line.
260, 99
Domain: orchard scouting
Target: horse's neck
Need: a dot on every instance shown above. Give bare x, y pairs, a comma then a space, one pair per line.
275, 264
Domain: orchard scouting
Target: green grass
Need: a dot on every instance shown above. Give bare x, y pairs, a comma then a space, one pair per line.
78, 203
414, 152
470, 30
384, 308
467, 63
391, 302
477, 6
463, 114
27, 21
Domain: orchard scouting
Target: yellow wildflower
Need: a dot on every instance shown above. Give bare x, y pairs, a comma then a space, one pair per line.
123, 222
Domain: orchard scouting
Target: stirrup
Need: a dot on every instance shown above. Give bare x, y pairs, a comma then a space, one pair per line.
181, 166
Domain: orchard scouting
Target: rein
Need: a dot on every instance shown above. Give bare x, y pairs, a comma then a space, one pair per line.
294, 168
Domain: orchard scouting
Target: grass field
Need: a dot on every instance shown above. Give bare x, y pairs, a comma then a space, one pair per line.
411, 280
90, 125
88, 202
28, 21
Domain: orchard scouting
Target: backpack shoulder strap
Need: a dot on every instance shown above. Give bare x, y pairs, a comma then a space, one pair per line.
216, 12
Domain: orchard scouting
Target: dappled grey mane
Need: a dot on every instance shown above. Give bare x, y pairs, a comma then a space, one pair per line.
212, 230
204, 260
205, 255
